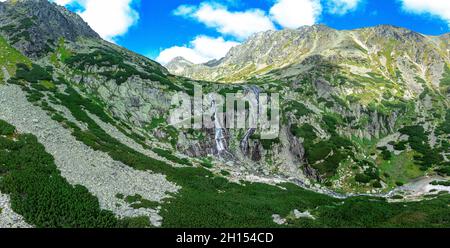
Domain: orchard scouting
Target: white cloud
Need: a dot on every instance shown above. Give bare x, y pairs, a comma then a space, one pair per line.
342, 7
109, 18
296, 13
202, 49
63, 2
242, 24
239, 24
184, 10
439, 8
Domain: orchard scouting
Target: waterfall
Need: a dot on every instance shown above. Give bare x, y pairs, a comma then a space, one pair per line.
219, 137
254, 90
219, 130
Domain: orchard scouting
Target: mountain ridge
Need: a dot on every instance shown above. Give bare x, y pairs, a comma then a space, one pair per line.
271, 50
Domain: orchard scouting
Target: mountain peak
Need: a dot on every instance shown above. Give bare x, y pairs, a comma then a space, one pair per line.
180, 59
179, 64
32, 26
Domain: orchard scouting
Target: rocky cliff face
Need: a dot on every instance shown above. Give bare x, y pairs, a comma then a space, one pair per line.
34, 27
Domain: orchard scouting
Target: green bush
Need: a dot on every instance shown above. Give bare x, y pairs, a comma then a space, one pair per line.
372, 173
444, 128
377, 185
418, 140
267, 144
33, 74
341, 147
169, 156
6, 128
387, 155
441, 183
299, 109
306, 131
400, 146
362, 178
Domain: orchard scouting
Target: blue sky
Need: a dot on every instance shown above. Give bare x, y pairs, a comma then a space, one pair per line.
201, 30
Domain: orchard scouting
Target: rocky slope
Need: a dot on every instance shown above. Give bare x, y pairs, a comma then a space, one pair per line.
382, 49
41, 25
362, 112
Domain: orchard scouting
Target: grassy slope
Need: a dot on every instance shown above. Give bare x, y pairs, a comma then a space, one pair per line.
9, 57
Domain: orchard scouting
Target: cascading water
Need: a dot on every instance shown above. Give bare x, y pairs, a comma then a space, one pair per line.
219, 137
252, 95
219, 129
253, 91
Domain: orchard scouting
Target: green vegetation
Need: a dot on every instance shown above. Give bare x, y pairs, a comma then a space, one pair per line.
267, 144
224, 173
385, 153
9, 57
371, 174
207, 162
362, 178
33, 74
20, 31
444, 128
400, 146
328, 104
441, 183
307, 132
341, 102
341, 147
39, 193
137, 202
6, 128
61, 53
324, 155
105, 58
401, 168
377, 184
418, 140
444, 170
156, 122
42, 196
108, 58
169, 156
445, 81
298, 108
